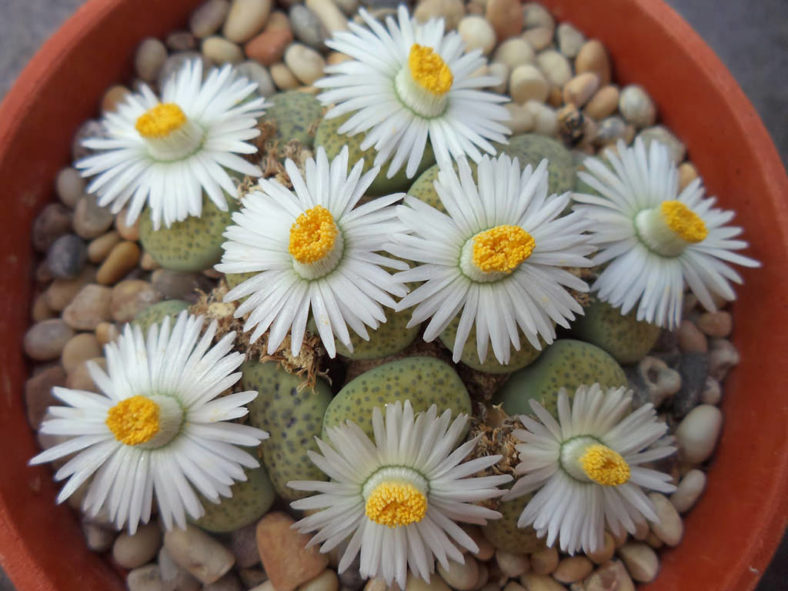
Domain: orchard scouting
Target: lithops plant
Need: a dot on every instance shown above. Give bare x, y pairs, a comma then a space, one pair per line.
158, 312
625, 337
390, 338
292, 413
332, 141
567, 363
530, 148
504, 534
470, 357
422, 380
195, 244
250, 500
295, 116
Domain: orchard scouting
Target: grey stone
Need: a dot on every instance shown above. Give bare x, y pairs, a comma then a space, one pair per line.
53, 221
307, 27
66, 257
693, 367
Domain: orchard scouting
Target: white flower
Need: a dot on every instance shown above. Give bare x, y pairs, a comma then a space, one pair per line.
397, 500
496, 258
654, 239
408, 83
312, 249
166, 153
587, 468
158, 428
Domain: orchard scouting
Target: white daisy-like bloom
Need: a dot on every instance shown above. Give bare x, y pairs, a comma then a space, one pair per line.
159, 427
398, 500
408, 83
167, 152
497, 258
587, 467
654, 239
313, 250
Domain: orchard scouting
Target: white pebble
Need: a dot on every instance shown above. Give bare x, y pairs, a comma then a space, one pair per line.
636, 106
69, 185
477, 32
305, 63
208, 17
689, 490
536, 15
520, 118
501, 71
283, 77
145, 578
329, 14
514, 52
668, 528
131, 551
641, 561
461, 576
545, 118
325, 581
570, 40
246, 19
450, 10
512, 565
527, 83
198, 553
415, 583
555, 66
697, 434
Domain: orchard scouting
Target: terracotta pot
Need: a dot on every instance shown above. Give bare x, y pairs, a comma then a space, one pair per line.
733, 531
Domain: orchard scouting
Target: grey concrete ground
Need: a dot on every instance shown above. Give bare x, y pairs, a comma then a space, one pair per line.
750, 37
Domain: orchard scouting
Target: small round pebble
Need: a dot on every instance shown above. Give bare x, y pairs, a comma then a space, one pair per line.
462, 577
555, 66
545, 118
208, 17
514, 52
181, 41
414, 583
570, 40
268, 47
723, 357
545, 561
478, 33
130, 297
539, 37
512, 565
133, 550
641, 561
45, 340
221, 51
305, 63
691, 339
125, 230
451, 11
593, 57
150, 57
536, 582
79, 349
106, 332
716, 324
90, 219
573, 569
89, 307
520, 119
70, 186
689, 490
61, 292
100, 247
66, 256
197, 552
97, 538
697, 433
581, 88
329, 14
123, 257
603, 104
245, 19
527, 83
536, 15
675, 146
506, 17
307, 27
283, 77
325, 581
636, 106
53, 222
605, 553
668, 527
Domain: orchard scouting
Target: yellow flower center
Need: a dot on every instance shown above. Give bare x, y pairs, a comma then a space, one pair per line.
604, 465
396, 503
429, 70
134, 420
502, 249
313, 235
160, 121
683, 221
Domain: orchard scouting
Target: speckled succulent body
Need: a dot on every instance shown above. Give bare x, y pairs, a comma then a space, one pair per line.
250, 500
504, 534
158, 312
422, 380
530, 148
291, 416
332, 141
567, 363
195, 244
626, 338
390, 338
296, 116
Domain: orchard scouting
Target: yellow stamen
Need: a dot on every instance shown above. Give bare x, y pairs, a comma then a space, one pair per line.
160, 121
134, 420
502, 248
396, 503
683, 221
313, 235
604, 465
429, 70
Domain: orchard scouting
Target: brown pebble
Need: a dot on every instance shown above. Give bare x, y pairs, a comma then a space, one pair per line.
106, 332
691, 339
573, 569
593, 58
79, 349
604, 103
536, 582
284, 554
716, 324
45, 340
99, 248
61, 291
277, 20
70, 186
148, 263
130, 297
134, 550
605, 553
506, 17
126, 231
611, 576
114, 96
283, 77
545, 561
89, 307
641, 561
40, 310
38, 393
122, 258
581, 88
269, 46
80, 379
